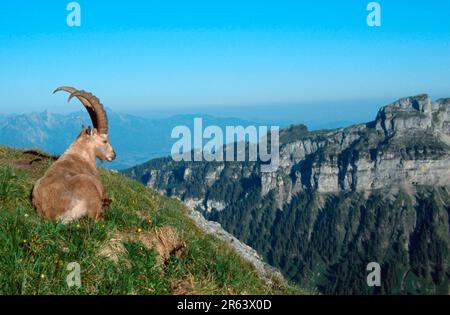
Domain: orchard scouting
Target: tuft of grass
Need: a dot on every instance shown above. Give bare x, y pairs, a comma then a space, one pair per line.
35, 253
10, 188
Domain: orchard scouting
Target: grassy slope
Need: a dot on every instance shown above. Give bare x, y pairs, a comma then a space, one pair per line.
34, 253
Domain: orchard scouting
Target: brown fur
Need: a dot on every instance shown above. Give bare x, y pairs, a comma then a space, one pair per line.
71, 187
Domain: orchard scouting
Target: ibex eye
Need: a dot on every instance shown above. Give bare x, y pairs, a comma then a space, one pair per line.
105, 142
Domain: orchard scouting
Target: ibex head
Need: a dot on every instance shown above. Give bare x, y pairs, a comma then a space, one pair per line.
99, 143
97, 137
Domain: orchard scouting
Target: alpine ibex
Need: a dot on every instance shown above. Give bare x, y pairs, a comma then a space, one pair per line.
71, 187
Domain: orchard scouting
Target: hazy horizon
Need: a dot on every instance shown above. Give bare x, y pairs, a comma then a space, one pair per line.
315, 115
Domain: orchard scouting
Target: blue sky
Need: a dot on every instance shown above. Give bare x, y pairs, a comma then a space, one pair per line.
138, 55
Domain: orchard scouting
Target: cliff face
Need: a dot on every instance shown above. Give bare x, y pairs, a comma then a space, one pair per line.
312, 213
407, 145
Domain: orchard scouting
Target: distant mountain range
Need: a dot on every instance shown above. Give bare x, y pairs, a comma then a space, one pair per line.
341, 199
135, 139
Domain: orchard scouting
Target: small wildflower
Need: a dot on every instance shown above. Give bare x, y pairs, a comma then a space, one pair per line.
139, 230
42, 276
26, 215
78, 226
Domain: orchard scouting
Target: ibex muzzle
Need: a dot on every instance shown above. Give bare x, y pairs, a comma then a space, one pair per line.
71, 188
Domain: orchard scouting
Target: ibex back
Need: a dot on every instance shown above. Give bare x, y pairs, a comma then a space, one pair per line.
71, 187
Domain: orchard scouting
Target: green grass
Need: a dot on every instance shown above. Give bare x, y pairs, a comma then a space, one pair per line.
34, 253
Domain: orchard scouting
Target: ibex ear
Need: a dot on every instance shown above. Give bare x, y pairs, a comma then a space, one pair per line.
90, 131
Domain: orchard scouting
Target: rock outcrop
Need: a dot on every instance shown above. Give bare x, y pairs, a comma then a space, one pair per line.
407, 145
267, 272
